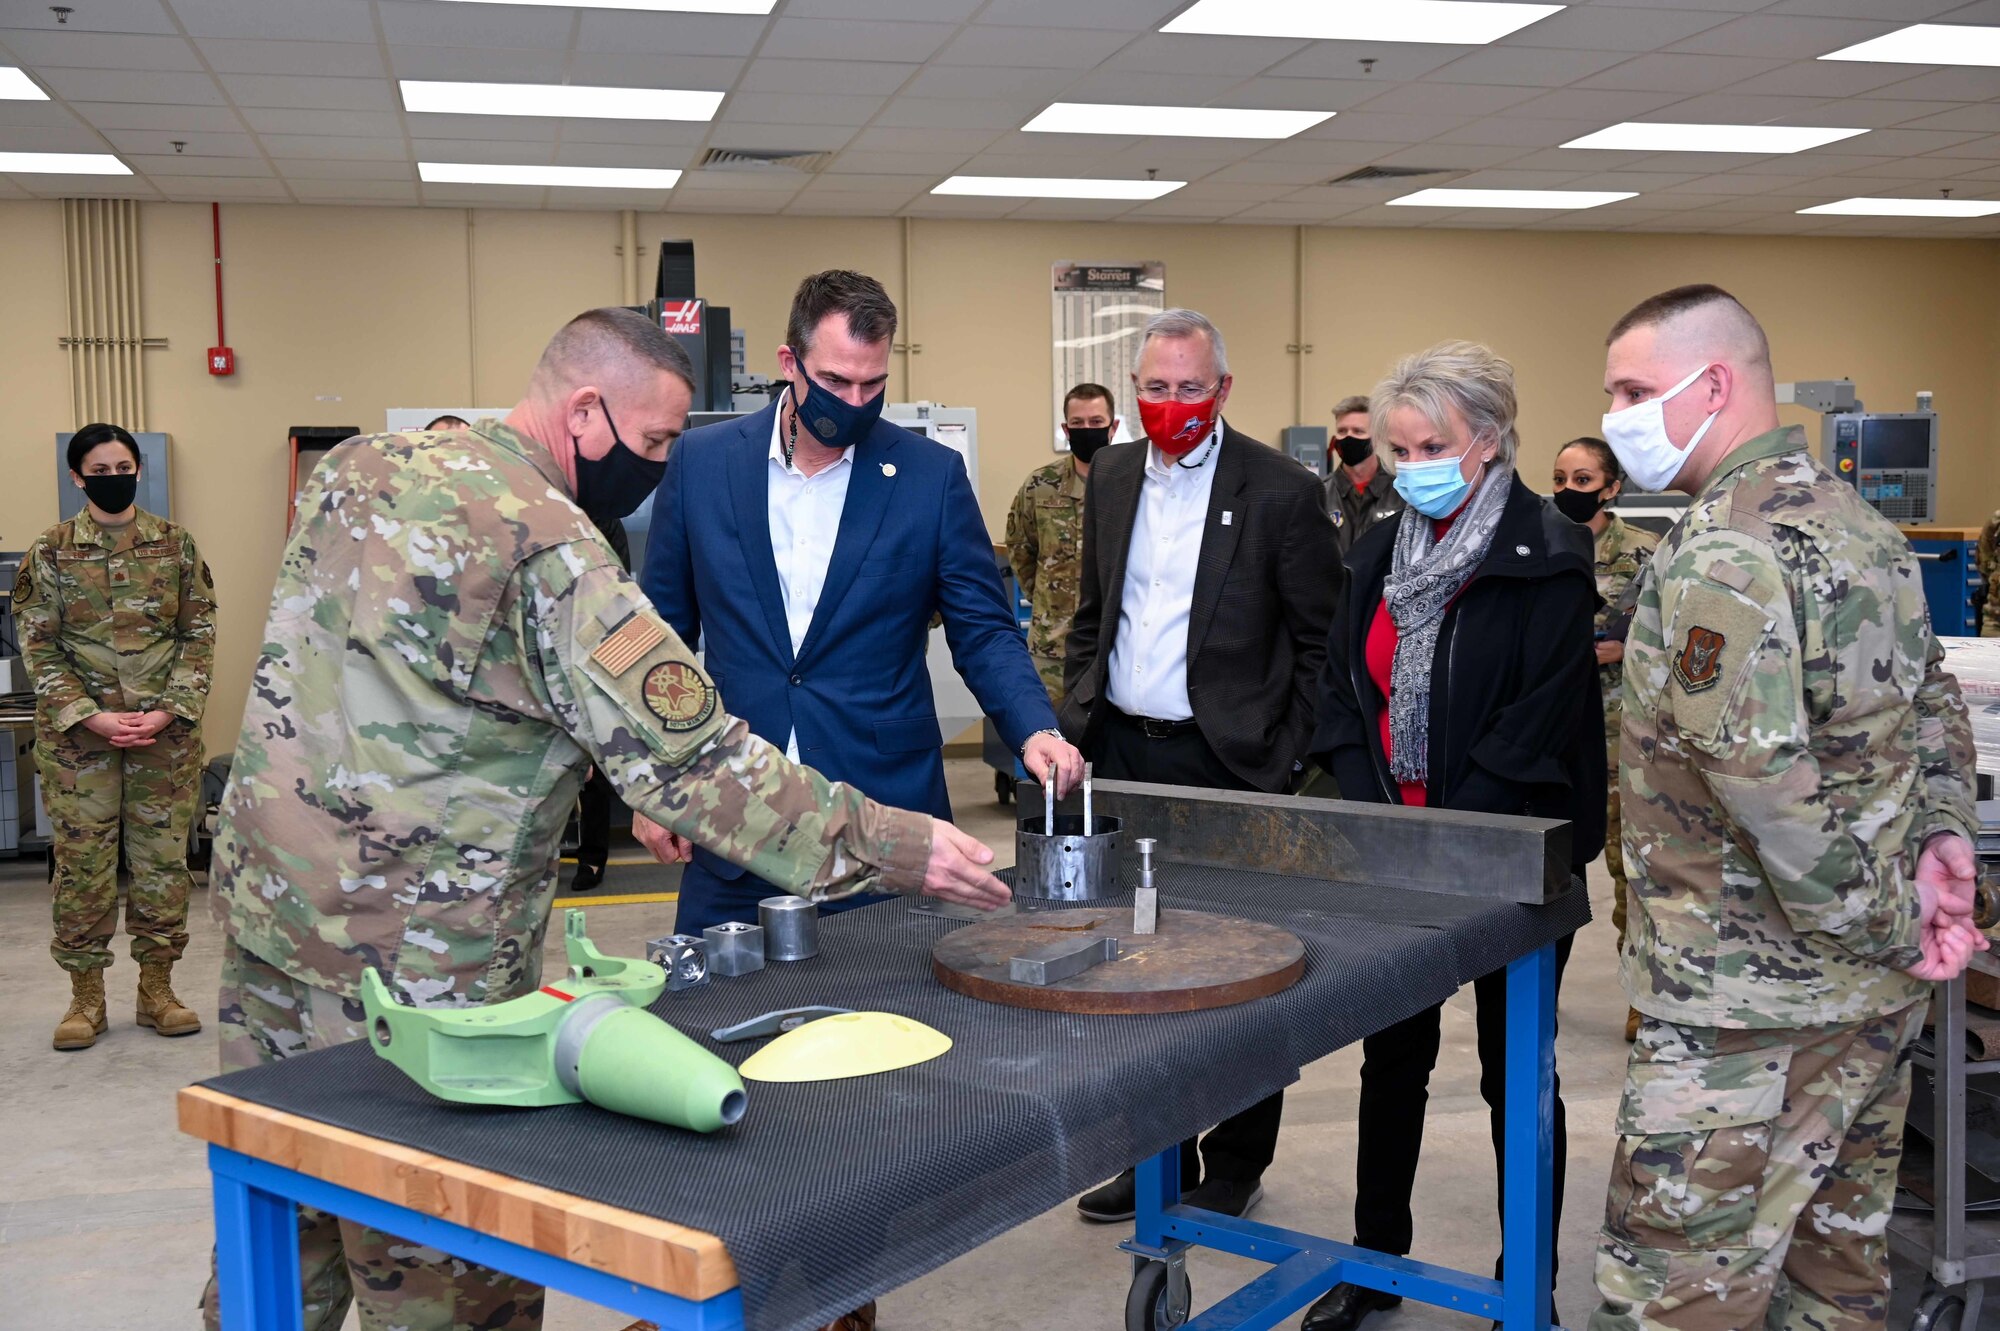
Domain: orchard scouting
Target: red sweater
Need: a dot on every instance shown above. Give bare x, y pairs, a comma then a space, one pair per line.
1379, 655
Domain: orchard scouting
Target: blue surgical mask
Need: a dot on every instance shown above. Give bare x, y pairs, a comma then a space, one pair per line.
836, 423
1435, 489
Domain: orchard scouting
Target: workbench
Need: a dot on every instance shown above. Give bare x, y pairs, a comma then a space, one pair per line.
830, 1194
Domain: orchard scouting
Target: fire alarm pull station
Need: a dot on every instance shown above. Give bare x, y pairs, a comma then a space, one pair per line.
221, 360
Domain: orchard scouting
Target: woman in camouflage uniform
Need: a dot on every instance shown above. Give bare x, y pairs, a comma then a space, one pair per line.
1588, 480
117, 617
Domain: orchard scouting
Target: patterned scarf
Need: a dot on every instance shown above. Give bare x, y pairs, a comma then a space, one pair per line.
1424, 577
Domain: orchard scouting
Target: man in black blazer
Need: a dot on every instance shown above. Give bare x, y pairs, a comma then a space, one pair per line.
1200, 631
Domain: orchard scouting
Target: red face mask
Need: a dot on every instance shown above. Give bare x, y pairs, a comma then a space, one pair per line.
1175, 427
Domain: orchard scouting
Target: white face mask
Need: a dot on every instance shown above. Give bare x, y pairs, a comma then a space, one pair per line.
1638, 435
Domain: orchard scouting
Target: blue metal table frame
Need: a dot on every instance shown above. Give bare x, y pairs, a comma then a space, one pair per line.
257, 1252
1304, 1267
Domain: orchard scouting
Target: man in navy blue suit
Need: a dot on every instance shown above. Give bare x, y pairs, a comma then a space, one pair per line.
805, 548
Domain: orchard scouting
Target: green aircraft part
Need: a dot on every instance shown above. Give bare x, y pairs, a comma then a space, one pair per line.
585, 1037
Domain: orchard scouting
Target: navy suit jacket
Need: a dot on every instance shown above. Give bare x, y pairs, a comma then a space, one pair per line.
910, 543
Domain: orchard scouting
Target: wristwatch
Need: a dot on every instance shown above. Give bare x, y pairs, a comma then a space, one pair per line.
1046, 730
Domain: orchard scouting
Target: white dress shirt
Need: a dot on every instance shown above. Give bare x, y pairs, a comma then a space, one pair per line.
804, 513
1147, 673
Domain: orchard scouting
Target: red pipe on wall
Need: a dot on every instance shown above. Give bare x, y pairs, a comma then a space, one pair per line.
215, 217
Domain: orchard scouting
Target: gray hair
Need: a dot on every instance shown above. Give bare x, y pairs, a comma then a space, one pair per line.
1461, 376
1188, 323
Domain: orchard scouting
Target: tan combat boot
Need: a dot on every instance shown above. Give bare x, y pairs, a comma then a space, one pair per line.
85, 1020
158, 1007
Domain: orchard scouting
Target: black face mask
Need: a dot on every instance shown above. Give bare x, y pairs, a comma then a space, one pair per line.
609, 488
1579, 505
1354, 450
1085, 440
112, 494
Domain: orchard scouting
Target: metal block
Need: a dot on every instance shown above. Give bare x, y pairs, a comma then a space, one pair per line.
734, 948
1061, 961
683, 957
1146, 898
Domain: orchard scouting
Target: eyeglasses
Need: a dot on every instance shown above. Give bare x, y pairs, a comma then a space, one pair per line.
1188, 393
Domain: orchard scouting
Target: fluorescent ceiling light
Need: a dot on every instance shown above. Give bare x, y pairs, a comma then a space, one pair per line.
62, 164
558, 99
590, 177
658, 6
1183, 122
1637, 136
1456, 22
1928, 44
16, 86
1511, 198
1057, 187
1907, 208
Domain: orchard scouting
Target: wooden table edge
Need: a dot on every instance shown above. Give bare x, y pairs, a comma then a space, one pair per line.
641, 1248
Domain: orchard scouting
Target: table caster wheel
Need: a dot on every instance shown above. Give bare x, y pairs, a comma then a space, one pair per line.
1938, 1312
1160, 1297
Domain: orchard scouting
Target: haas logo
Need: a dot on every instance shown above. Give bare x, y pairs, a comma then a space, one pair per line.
681, 317
1193, 428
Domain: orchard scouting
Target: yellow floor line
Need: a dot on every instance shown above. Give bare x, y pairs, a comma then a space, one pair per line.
643, 899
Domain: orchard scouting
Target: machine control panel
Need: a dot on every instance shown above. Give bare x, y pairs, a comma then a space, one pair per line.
1891, 458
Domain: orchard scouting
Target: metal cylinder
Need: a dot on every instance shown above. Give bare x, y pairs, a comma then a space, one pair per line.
791, 928
1067, 866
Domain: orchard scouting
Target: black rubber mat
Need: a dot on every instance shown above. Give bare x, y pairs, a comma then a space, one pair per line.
832, 1193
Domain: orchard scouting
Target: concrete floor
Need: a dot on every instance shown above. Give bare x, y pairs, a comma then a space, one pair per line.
104, 1207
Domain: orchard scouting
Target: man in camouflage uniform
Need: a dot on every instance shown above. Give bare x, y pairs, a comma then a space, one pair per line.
1622, 552
451, 644
1045, 530
1360, 489
117, 617
1989, 571
1798, 817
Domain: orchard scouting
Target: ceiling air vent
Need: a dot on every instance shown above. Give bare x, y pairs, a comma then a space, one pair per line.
762, 160
1390, 175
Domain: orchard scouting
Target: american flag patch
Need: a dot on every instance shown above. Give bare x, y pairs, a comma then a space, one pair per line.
624, 648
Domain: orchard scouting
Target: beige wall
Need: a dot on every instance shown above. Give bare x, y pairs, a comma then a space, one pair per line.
337, 314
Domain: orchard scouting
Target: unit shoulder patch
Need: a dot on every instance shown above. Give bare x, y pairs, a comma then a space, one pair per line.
679, 695
1698, 664
24, 585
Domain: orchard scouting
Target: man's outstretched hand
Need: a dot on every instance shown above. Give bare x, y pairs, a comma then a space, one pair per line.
957, 871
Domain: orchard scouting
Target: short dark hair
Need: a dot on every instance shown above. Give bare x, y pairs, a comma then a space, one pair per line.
1670, 305
1607, 459
607, 334
449, 422
1347, 406
1090, 392
871, 315
91, 436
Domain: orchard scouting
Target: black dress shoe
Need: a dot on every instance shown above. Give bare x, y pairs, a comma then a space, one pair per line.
1227, 1197
588, 876
1115, 1201
1345, 1305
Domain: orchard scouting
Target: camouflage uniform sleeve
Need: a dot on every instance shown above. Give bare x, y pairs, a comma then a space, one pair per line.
1946, 757
1739, 675
186, 694
1021, 550
621, 682
1986, 556
38, 610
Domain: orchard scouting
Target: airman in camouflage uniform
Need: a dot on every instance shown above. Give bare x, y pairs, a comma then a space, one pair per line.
118, 618
1989, 569
451, 644
1622, 551
1795, 766
1045, 545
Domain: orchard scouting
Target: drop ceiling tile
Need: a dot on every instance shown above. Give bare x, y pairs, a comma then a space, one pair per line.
1383, 128
355, 124
9, 190
1944, 85
1916, 142
1828, 78
523, 27
1701, 163
1175, 209
501, 196
1640, 182
1524, 67
1185, 158
140, 115
919, 141
1451, 156
627, 69
335, 146
953, 205
1270, 173
938, 113
845, 205
673, 34
1740, 182
1684, 74
309, 94
1822, 163
354, 191
243, 56
1134, 16
1503, 131
825, 109
1713, 6
125, 16
1581, 159
1393, 62
751, 193
1596, 27
867, 162
866, 184
66, 48
1603, 108
479, 64
1939, 167
1982, 119
997, 163
1785, 37
71, 138
1186, 53
1071, 210
784, 138
826, 39
1031, 48
1742, 108
306, 20
41, 115
626, 154
1143, 89
1445, 98
198, 145
477, 150
1297, 94
85, 187
1869, 113
659, 133
534, 129
950, 81
120, 85
222, 189
1966, 179
875, 77
1506, 178
311, 169
1286, 212
1986, 147
1981, 11
950, 11
1337, 152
